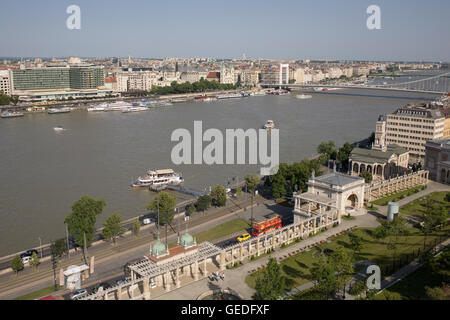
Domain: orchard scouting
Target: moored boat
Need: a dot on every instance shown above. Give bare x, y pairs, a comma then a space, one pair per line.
269, 125
7, 114
158, 177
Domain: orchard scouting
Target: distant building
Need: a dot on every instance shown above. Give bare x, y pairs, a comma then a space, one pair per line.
227, 75
412, 126
213, 76
437, 160
5, 82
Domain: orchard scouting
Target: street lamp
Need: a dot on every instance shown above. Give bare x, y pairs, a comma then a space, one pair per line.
40, 245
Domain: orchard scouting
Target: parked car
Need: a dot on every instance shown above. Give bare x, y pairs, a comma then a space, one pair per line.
243, 237
148, 220
28, 253
26, 259
80, 293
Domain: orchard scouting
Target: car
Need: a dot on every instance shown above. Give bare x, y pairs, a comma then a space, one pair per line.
26, 259
148, 220
243, 237
28, 253
80, 293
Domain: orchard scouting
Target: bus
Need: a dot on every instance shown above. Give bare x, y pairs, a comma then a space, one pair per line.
274, 222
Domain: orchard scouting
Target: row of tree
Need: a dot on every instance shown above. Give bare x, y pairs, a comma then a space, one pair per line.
6, 100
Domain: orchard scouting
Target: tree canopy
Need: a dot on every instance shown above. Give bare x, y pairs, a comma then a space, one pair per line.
203, 202
166, 204
83, 218
272, 284
219, 196
251, 182
112, 227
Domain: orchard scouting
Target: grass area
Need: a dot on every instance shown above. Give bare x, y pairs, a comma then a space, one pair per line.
394, 197
297, 268
413, 286
220, 231
39, 293
348, 217
417, 206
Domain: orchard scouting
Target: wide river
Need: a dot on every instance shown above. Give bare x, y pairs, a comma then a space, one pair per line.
43, 172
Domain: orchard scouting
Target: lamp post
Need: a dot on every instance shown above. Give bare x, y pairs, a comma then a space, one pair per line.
40, 245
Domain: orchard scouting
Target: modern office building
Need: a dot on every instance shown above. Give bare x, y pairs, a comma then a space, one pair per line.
57, 82
413, 125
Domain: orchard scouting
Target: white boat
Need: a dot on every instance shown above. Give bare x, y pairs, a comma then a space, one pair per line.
258, 93
59, 129
318, 89
303, 96
229, 96
157, 178
7, 114
117, 106
134, 109
98, 107
269, 125
58, 110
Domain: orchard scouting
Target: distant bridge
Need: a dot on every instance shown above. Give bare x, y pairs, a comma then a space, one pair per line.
438, 84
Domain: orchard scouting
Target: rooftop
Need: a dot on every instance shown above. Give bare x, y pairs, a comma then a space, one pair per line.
337, 179
376, 156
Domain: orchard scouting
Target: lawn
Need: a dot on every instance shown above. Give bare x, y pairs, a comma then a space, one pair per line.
38, 294
397, 196
220, 230
417, 206
297, 268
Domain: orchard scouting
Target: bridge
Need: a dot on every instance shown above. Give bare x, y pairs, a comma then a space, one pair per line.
437, 84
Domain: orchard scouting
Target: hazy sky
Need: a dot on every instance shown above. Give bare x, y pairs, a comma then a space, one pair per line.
296, 29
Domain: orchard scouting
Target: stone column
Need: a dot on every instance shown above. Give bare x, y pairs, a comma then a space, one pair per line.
177, 278
196, 270
222, 260
205, 269
258, 246
166, 281
146, 286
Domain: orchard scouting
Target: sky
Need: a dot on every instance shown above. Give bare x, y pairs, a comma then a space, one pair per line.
411, 30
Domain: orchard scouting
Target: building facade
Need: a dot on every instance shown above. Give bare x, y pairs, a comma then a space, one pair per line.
437, 160
5, 82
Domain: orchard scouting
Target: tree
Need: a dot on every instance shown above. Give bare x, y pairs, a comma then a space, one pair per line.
238, 191
112, 227
17, 264
165, 204
83, 218
324, 275
251, 181
60, 247
14, 100
342, 263
355, 242
219, 196
203, 203
367, 175
136, 227
191, 209
447, 197
343, 155
327, 148
272, 283
437, 293
392, 230
34, 261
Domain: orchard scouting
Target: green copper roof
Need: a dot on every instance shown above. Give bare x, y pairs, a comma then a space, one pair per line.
158, 248
376, 156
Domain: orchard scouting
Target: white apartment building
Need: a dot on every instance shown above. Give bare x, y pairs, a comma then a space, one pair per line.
5, 82
412, 126
136, 80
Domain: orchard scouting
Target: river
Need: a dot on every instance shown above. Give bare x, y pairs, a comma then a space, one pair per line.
43, 172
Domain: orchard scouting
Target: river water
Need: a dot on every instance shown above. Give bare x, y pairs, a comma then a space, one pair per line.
43, 172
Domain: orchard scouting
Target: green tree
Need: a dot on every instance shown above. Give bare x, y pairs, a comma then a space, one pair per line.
343, 154
238, 191
392, 230
136, 227
83, 218
219, 196
366, 175
343, 265
251, 182
15, 99
191, 209
17, 264
447, 197
34, 261
60, 247
112, 227
272, 283
164, 203
203, 203
325, 276
356, 243
436, 293
327, 148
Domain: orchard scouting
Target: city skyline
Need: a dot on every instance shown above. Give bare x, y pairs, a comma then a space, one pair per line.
285, 30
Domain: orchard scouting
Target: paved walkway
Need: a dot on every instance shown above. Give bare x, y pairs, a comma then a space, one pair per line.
235, 278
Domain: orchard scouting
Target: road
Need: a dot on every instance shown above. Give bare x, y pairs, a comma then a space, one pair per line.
110, 260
